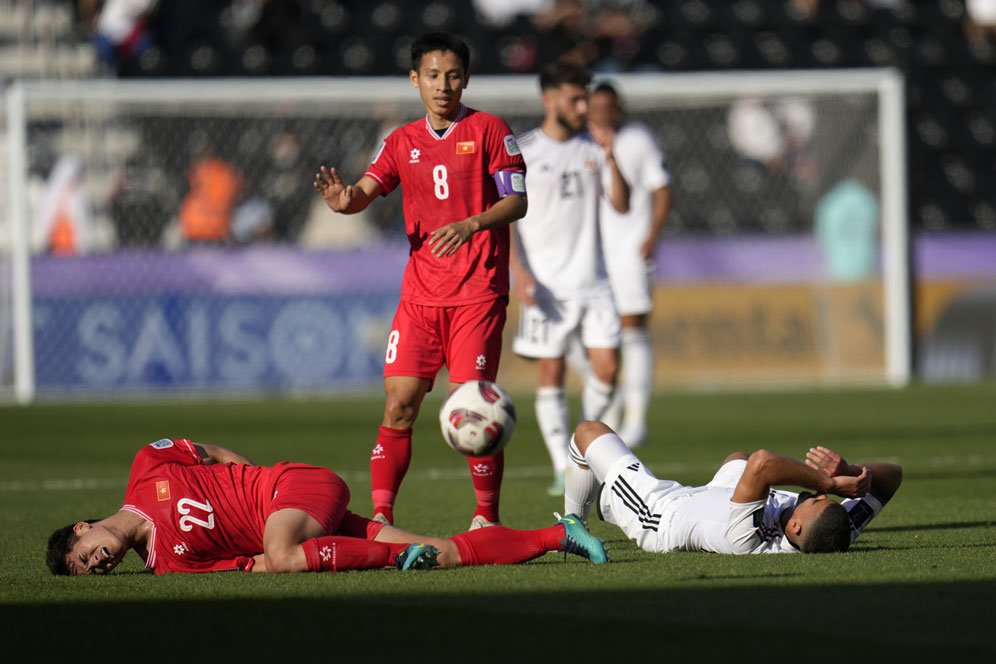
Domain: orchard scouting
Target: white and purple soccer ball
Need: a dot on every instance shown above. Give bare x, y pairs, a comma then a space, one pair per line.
477, 418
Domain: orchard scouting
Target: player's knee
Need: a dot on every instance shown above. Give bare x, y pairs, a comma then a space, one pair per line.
400, 411
587, 431
449, 554
285, 560
606, 368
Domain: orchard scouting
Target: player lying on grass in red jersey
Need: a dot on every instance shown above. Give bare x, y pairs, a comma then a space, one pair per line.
191, 507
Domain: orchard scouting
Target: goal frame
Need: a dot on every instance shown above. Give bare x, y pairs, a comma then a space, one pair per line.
487, 91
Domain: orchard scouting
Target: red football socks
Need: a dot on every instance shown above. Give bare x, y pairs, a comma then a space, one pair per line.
338, 554
389, 462
486, 473
498, 545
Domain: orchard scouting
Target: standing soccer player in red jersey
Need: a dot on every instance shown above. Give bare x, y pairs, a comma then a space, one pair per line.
463, 182
191, 507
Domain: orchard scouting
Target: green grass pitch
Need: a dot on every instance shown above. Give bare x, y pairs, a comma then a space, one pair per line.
921, 582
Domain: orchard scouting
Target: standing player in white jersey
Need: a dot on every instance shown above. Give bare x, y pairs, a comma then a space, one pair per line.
629, 241
738, 511
556, 260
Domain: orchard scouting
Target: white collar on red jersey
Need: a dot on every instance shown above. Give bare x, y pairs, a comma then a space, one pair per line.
432, 132
150, 562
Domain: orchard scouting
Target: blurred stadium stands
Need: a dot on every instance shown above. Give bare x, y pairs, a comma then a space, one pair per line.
951, 90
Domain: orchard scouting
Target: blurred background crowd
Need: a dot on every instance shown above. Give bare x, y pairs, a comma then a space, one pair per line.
945, 48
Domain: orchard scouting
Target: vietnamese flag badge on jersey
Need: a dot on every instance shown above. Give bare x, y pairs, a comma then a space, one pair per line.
162, 490
466, 147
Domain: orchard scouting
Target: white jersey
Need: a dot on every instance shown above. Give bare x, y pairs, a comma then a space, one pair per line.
559, 236
642, 163
661, 515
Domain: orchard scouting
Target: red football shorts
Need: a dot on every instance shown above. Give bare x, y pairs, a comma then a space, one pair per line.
318, 491
467, 339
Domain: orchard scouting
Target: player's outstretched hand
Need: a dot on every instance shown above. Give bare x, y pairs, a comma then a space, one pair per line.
445, 241
849, 486
337, 195
826, 460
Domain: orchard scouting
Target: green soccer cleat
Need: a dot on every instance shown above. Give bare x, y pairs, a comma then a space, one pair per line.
579, 541
417, 556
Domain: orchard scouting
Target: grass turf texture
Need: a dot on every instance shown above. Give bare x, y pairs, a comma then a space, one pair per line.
920, 582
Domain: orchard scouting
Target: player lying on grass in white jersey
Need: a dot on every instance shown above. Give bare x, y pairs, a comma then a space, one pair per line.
190, 507
738, 511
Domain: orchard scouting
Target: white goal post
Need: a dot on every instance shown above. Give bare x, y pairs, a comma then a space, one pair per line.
84, 110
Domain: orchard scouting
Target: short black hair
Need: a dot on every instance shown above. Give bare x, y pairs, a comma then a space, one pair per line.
561, 72
830, 532
59, 545
440, 41
606, 87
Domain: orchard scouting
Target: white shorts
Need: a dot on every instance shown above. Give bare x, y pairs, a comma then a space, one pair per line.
632, 287
546, 327
729, 474
636, 501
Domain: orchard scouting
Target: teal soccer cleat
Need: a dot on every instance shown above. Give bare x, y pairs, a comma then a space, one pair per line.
417, 556
579, 541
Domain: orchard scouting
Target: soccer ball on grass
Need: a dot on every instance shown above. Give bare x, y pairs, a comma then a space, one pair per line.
477, 418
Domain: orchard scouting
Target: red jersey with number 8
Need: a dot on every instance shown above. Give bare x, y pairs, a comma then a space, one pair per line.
446, 178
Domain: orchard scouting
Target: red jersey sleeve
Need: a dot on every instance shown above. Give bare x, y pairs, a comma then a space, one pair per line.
180, 451
503, 152
384, 167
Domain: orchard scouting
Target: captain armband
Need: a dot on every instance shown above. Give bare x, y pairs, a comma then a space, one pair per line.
510, 182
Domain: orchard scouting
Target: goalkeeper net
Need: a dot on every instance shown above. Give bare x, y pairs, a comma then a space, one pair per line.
164, 237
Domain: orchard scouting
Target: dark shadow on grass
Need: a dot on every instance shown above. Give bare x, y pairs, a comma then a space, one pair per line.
950, 621
959, 525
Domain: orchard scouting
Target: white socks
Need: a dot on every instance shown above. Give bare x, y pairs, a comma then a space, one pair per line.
637, 384
595, 398
580, 485
604, 452
551, 415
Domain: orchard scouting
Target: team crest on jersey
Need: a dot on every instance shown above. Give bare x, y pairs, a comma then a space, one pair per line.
415, 154
162, 444
162, 491
466, 147
511, 147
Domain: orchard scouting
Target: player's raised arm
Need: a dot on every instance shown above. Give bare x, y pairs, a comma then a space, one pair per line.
766, 469
885, 477
343, 198
618, 188
213, 454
